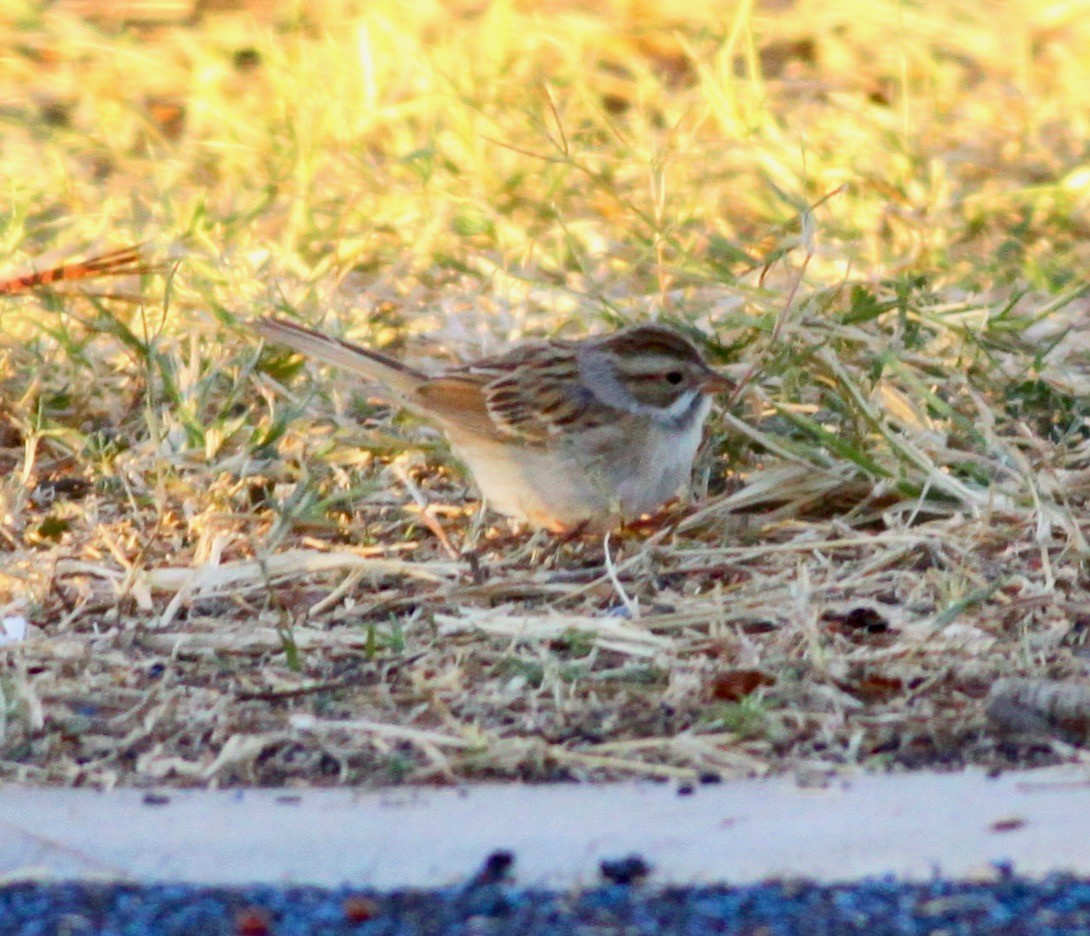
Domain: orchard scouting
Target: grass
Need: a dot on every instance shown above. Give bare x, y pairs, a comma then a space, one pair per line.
231, 561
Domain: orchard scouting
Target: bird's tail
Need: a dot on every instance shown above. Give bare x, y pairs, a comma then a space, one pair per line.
399, 380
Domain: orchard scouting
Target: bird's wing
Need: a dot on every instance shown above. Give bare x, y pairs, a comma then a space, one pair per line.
535, 392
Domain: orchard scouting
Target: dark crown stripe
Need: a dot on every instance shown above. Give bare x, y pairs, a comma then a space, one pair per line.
654, 340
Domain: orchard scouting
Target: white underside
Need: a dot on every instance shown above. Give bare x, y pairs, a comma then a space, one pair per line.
616, 472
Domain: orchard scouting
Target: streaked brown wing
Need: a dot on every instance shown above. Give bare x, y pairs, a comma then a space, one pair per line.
542, 395
531, 394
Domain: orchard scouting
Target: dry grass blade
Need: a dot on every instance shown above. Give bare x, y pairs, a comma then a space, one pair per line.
608, 633
290, 565
397, 732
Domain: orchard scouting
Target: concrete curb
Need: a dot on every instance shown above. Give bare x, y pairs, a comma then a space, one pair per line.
910, 825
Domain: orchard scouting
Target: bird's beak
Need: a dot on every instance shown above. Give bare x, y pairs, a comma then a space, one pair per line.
714, 382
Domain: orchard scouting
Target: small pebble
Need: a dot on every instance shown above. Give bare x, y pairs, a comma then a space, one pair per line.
253, 921
628, 870
495, 869
360, 909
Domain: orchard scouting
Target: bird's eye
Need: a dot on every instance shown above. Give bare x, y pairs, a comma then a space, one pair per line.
675, 377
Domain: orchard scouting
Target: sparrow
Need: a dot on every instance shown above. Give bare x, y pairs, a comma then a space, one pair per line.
568, 436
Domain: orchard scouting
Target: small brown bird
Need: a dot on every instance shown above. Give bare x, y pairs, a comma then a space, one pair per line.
565, 435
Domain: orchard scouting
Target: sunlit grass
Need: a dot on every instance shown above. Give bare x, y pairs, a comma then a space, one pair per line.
878, 210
